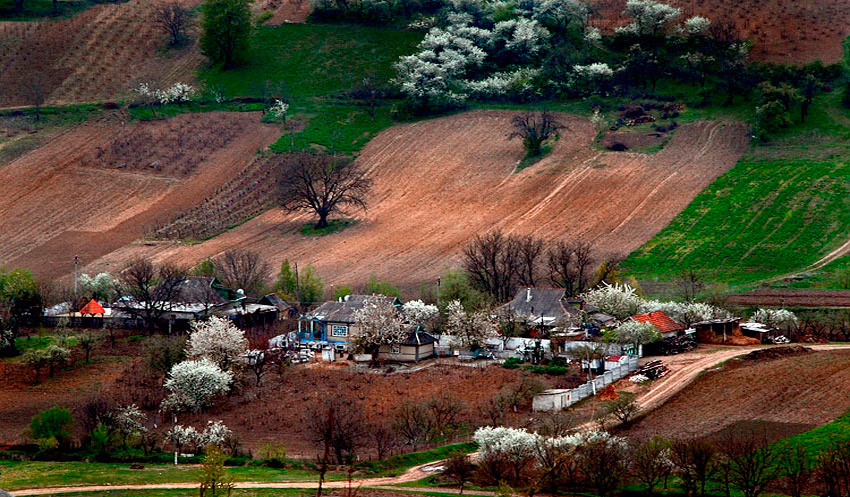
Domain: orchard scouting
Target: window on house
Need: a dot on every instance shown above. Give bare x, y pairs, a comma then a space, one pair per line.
395, 349
339, 331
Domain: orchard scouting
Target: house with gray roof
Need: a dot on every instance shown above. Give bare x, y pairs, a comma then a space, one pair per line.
542, 306
335, 323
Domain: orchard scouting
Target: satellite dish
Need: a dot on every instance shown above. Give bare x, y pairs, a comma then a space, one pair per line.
240, 293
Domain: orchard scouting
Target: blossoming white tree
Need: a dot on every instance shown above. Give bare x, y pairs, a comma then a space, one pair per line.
130, 420
194, 384
650, 18
218, 340
100, 286
634, 333
379, 324
181, 436
776, 318
419, 313
469, 329
618, 300
697, 25
518, 40
216, 433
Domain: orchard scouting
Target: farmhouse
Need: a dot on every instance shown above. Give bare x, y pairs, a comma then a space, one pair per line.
335, 323
543, 307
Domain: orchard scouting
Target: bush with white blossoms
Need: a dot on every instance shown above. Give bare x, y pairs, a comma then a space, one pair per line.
518, 444
558, 15
182, 436
650, 18
697, 25
278, 109
517, 85
468, 328
216, 433
633, 333
194, 384
130, 420
218, 340
775, 318
518, 40
177, 93
591, 78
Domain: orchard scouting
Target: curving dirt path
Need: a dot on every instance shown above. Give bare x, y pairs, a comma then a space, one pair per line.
684, 369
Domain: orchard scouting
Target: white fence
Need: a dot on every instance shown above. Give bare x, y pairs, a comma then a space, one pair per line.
555, 400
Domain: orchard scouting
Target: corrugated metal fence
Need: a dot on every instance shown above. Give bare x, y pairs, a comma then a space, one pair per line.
555, 400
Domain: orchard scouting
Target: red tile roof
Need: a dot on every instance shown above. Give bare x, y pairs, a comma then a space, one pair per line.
92, 308
662, 321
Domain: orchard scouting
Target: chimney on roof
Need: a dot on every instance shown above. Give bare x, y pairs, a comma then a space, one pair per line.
528, 294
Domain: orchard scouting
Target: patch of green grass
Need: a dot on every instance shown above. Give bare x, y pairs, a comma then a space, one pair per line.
30, 474
529, 160
333, 126
334, 225
781, 208
144, 113
396, 465
41, 9
315, 59
820, 438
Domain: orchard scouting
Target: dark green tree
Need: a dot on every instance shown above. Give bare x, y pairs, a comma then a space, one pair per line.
55, 423
226, 37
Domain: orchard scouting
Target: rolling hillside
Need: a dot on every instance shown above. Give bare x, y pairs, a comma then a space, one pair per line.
438, 183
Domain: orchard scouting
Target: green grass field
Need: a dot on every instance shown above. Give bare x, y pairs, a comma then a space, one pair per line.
17, 474
781, 208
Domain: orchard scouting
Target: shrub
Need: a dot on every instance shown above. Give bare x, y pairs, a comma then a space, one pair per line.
512, 363
54, 423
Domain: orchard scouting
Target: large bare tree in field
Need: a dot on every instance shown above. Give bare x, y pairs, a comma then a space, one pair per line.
241, 269
571, 265
535, 128
150, 289
173, 19
323, 184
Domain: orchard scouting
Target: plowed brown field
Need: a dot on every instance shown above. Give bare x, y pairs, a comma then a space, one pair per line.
798, 391
438, 183
789, 31
99, 54
61, 200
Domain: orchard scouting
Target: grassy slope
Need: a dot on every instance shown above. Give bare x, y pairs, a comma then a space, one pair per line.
785, 205
317, 64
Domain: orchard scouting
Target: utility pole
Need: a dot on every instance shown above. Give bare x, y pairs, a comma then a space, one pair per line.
76, 264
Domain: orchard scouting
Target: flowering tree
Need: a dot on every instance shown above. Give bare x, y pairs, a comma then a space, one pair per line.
419, 313
697, 25
633, 333
100, 287
129, 421
181, 436
650, 18
216, 433
469, 329
379, 324
618, 300
194, 384
591, 78
218, 340
776, 318
278, 110
518, 40
561, 15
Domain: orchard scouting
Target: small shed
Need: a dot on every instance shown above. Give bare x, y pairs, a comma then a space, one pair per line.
418, 346
719, 330
93, 308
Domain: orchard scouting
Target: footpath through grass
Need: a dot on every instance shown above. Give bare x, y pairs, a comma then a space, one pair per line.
785, 205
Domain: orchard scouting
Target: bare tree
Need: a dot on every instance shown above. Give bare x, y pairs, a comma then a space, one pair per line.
173, 19
384, 438
257, 361
445, 411
412, 422
694, 461
747, 466
651, 463
459, 469
624, 409
603, 465
242, 269
794, 464
337, 422
535, 128
491, 260
570, 265
529, 251
35, 90
834, 469
323, 184
690, 283
150, 290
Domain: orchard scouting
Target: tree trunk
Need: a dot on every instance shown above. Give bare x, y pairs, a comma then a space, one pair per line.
323, 221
